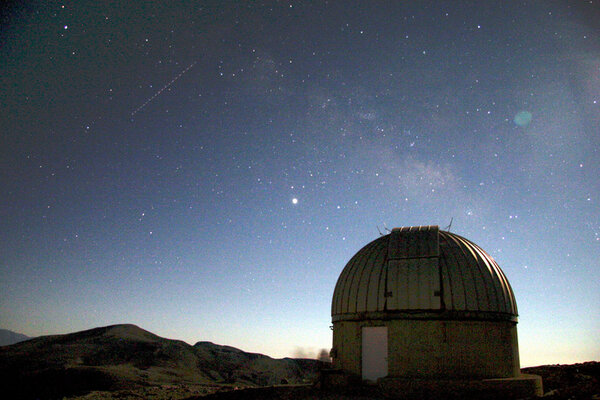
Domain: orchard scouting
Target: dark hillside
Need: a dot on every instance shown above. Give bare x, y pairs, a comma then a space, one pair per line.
230, 365
126, 356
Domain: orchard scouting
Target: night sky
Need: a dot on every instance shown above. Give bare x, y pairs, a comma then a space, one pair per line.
206, 169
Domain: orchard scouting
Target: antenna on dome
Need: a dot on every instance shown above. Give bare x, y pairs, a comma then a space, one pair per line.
386, 228
449, 225
378, 230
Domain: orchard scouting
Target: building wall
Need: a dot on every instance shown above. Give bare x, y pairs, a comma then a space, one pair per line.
435, 349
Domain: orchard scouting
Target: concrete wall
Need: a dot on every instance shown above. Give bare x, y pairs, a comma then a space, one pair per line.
435, 349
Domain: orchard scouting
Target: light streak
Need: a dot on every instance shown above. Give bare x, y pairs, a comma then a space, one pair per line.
155, 95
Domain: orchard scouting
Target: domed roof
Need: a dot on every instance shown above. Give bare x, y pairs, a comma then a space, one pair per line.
422, 272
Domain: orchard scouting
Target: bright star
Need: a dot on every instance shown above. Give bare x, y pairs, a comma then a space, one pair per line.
294, 201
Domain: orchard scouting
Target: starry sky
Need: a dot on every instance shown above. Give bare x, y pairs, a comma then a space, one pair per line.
205, 169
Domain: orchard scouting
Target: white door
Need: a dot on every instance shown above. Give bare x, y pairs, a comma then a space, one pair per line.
374, 352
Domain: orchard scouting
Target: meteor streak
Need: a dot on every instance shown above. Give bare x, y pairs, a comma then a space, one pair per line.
155, 95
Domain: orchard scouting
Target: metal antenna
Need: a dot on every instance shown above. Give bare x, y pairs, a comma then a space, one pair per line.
386, 228
449, 225
378, 230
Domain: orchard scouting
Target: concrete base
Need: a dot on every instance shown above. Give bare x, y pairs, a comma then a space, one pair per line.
433, 349
523, 386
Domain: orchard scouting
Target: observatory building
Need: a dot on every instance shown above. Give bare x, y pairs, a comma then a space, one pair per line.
429, 306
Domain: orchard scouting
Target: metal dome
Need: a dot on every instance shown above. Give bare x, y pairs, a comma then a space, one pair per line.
422, 272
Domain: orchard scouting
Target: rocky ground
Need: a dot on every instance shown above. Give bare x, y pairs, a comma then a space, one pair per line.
569, 382
155, 392
561, 382
200, 392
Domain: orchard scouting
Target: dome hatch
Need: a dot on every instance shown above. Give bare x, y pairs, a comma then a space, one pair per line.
422, 272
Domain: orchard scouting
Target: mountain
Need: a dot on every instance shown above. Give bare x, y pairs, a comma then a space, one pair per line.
120, 357
230, 365
9, 337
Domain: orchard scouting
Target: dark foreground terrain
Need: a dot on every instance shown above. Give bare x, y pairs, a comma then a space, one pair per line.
127, 362
563, 382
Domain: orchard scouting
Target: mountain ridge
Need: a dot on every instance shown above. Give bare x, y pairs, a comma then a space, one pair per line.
124, 355
8, 337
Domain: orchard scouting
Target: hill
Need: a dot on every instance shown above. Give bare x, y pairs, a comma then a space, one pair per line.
230, 365
569, 382
125, 357
9, 337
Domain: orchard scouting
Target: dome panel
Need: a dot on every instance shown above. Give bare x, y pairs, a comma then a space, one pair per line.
419, 272
376, 285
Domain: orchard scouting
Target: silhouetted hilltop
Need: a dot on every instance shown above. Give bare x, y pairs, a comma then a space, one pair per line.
9, 337
124, 356
231, 365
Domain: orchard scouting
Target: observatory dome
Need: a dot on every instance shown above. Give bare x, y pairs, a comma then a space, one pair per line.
426, 311
422, 272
